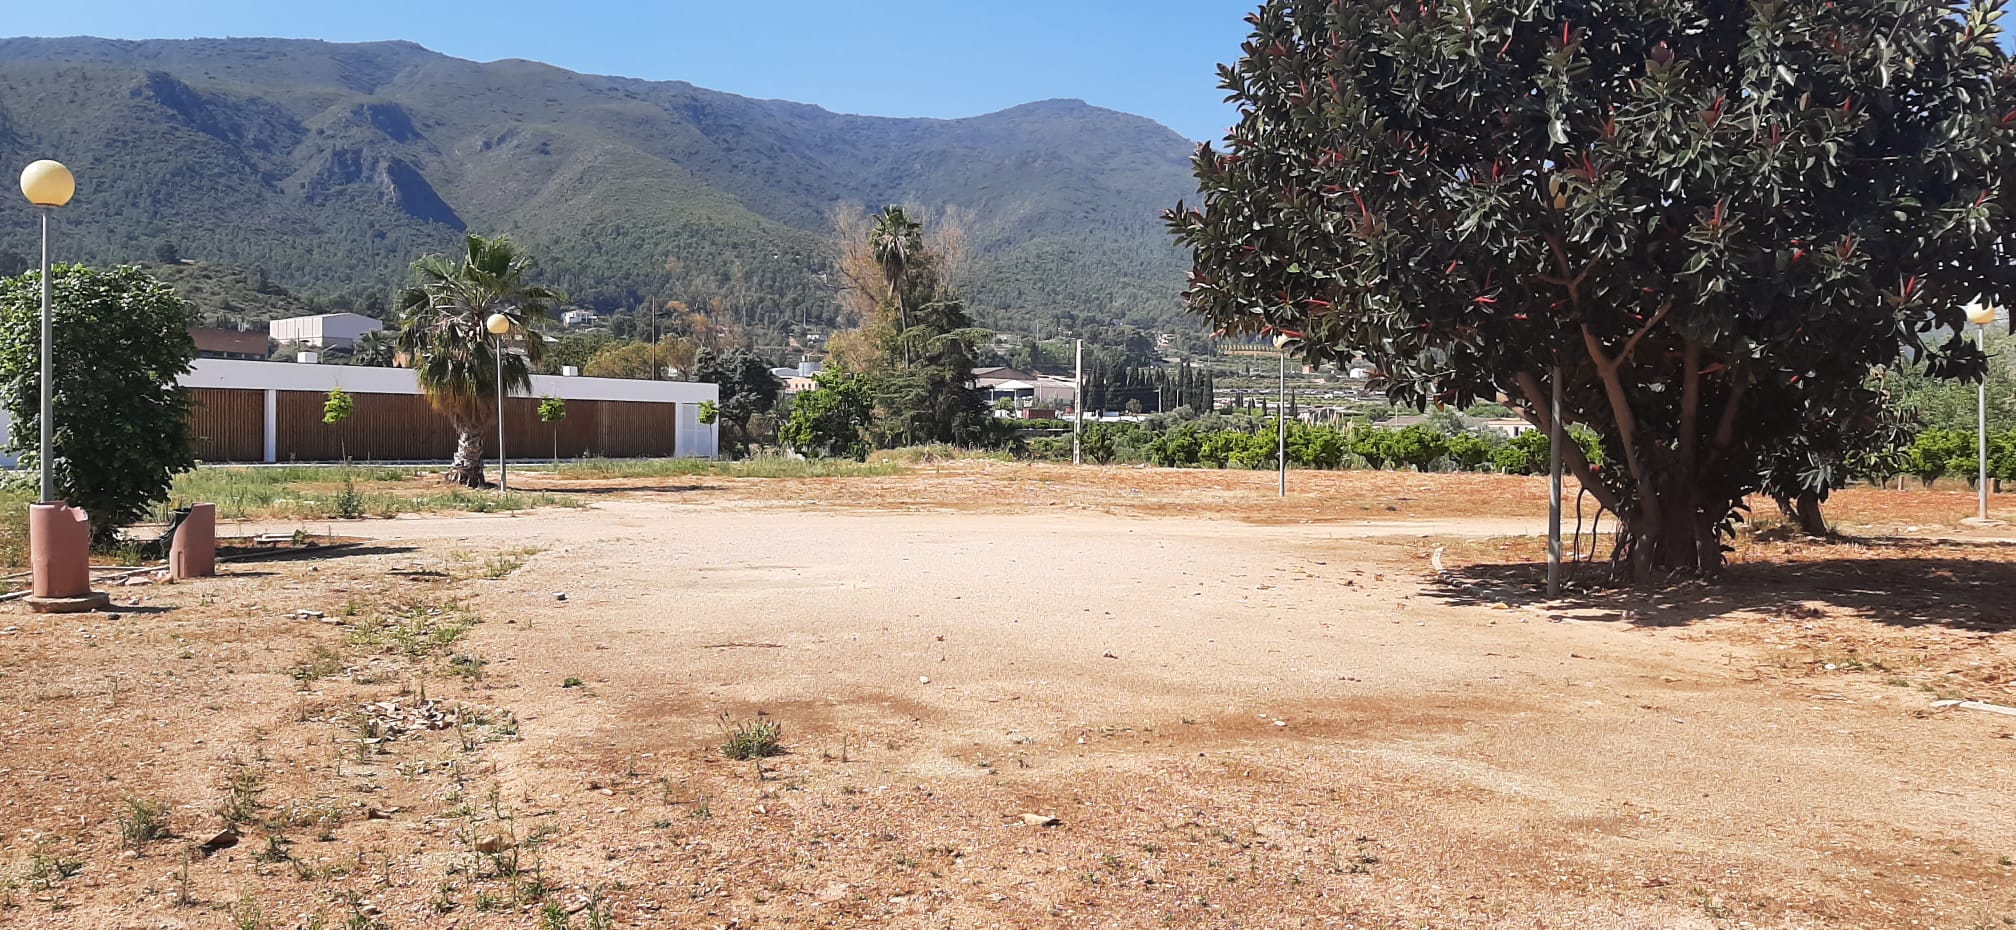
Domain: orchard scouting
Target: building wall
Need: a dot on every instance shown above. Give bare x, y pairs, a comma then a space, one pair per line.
335, 329
228, 425
392, 421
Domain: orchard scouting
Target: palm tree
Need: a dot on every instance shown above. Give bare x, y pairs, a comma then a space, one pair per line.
441, 329
894, 243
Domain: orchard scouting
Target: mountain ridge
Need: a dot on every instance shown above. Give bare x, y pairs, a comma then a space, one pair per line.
334, 165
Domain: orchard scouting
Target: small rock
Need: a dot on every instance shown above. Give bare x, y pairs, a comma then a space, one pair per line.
491, 845
834, 891
923, 679
1109, 656
1040, 820
222, 839
559, 595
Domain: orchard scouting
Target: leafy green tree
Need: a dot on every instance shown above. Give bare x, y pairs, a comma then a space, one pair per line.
1528, 453
1714, 219
1937, 453
1371, 443
1470, 451
551, 411
122, 428
621, 360
831, 419
1419, 446
1315, 446
442, 328
337, 406
573, 351
747, 388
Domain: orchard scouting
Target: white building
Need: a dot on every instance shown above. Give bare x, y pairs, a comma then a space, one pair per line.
324, 331
578, 318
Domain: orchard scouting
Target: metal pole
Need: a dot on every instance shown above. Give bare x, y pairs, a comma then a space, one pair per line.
47, 450
503, 461
1555, 436
1982, 433
1281, 422
1078, 407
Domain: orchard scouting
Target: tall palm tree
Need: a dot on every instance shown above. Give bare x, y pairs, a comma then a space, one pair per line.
442, 330
895, 243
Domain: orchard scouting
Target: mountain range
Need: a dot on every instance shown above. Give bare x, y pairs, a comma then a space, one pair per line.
331, 167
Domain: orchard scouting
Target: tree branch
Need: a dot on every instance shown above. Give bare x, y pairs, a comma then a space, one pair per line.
1536, 413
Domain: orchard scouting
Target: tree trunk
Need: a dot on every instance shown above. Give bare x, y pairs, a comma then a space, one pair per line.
1810, 519
1672, 532
467, 469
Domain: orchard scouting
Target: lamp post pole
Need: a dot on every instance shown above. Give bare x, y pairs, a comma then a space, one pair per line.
45, 451
503, 460
1981, 434
1555, 436
1281, 422
499, 326
1981, 315
1078, 407
1281, 411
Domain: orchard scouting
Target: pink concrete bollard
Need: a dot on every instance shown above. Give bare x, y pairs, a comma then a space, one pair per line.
193, 554
59, 550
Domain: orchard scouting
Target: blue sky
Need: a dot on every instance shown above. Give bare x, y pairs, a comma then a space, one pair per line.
943, 58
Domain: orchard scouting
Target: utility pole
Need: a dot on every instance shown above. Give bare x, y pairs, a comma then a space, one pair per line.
1078, 408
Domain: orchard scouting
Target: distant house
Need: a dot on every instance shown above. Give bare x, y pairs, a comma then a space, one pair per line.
324, 331
230, 343
578, 318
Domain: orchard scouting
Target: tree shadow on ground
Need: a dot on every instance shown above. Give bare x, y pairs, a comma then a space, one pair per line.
1899, 582
316, 554
648, 489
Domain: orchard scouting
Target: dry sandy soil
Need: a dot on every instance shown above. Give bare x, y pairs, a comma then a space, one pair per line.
1240, 712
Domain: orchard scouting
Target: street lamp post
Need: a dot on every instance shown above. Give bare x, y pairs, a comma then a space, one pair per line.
1981, 315
1281, 413
499, 325
47, 185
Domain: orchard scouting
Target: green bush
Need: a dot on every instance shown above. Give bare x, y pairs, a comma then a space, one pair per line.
122, 428
1470, 451
1937, 453
1418, 446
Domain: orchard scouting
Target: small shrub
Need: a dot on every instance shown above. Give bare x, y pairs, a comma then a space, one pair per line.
242, 789
348, 505
142, 822
752, 739
469, 667
571, 682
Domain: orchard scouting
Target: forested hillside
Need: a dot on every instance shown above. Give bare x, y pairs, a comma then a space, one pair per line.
330, 167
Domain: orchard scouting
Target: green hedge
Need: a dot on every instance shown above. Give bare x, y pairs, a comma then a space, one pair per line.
1249, 442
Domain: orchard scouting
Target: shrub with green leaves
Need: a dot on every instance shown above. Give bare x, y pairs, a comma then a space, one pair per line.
122, 425
338, 406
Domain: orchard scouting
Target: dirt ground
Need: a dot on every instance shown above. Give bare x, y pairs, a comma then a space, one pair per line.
1024, 696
